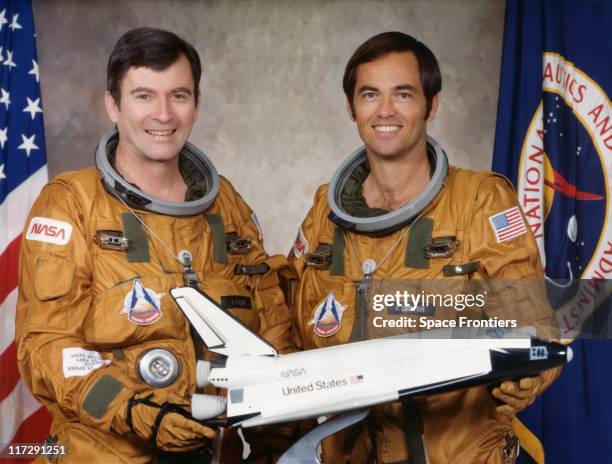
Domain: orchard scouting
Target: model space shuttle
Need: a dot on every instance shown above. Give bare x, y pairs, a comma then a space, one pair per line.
265, 387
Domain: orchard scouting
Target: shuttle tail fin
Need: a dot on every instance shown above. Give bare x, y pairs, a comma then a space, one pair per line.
220, 331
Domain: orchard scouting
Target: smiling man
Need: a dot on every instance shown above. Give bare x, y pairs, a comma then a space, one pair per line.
100, 341
395, 211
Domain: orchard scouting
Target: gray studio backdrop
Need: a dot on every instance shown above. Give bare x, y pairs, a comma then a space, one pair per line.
272, 116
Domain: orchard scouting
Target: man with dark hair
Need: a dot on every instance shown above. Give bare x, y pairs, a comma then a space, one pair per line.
150, 48
394, 42
100, 341
396, 212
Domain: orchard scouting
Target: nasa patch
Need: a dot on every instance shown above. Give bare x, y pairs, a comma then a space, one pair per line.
49, 230
142, 305
300, 247
327, 318
563, 185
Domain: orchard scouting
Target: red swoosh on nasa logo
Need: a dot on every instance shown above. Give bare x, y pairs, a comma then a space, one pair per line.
563, 186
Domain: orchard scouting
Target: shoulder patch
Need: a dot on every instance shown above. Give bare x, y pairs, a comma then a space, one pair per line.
49, 230
300, 247
508, 224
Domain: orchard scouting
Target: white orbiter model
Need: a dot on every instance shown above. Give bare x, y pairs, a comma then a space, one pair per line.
265, 387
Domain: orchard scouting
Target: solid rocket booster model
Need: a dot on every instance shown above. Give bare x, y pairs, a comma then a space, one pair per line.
264, 387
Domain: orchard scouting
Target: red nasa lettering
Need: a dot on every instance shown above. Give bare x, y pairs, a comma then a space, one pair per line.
564, 76
50, 231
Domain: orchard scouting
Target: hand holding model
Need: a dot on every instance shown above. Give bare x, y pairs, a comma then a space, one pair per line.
516, 396
168, 426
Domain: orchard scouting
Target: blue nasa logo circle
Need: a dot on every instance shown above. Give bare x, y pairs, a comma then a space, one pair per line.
575, 191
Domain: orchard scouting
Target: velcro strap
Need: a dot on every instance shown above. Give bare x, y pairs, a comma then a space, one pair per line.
217, 229
101, 395
451, 270
418, 239
138, 251
251, 269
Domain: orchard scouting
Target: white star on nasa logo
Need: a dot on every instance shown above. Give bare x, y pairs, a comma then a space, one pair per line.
3, 136
28, 144
33, 107
6, 98
3, 19
34, 69
2, 175
9, 60
14, 24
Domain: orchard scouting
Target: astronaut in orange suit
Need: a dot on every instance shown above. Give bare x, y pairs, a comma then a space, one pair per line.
395, 211
100, 341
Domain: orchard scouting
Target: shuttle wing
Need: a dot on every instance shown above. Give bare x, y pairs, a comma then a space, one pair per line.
220, 331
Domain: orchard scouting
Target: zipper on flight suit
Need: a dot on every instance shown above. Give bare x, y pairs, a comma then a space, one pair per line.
362, 298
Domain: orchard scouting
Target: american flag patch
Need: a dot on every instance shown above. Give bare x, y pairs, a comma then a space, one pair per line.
508, 224
356, 379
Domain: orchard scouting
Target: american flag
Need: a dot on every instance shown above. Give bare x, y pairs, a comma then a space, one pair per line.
23, 172
356, 379
508, 224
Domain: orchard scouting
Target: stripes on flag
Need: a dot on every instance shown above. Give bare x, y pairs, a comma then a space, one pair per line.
508, 224
23, 172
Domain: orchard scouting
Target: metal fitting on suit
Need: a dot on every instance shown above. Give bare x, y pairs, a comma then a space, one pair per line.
158, 367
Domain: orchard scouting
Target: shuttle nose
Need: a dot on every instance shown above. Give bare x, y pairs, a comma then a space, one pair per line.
569, 354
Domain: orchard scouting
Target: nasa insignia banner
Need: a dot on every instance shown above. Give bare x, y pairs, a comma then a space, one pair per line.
554, 141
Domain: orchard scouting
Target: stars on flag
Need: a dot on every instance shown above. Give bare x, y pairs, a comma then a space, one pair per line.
14, 24
28, 144
6, 98
33, 107
8, 61
22, 143
3, 19
3, 136
34, 69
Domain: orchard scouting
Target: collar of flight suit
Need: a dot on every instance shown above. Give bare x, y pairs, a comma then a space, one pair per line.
193, 177
353, 201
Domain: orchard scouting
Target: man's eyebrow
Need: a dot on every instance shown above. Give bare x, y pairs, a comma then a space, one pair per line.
147, 89
367, 88
405, 87
140, 89
183, 89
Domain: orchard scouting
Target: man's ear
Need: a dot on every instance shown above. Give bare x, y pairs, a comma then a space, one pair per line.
434, 108
349, 110
197, 107
112, 109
